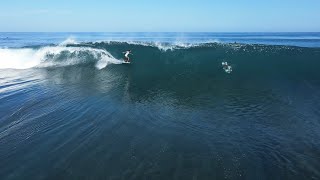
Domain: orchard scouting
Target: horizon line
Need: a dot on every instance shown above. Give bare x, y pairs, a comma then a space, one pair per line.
159, 31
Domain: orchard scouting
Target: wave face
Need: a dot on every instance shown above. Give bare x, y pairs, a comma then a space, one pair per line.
196, 60
175, 67
168, 58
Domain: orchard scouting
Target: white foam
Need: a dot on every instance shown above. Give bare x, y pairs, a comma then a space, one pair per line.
166, 46
160, 45
45, 57
105, 60
18, 58
70, 40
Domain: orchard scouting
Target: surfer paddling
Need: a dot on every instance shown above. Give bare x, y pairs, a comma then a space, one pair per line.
226, 67
126, 55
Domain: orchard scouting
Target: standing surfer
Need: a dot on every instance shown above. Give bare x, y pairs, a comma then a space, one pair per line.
126, 55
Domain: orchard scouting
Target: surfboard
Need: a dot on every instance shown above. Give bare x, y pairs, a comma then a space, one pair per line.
125, 62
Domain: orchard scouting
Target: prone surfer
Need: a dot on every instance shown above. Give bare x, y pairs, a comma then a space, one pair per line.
126, 55
227, 68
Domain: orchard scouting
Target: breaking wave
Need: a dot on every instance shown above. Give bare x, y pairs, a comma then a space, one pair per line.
55, 56
171, 59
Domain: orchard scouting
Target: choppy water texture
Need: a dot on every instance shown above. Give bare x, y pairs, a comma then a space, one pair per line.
71, 110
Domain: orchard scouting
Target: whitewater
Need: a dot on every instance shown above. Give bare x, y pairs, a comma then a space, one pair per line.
24, 58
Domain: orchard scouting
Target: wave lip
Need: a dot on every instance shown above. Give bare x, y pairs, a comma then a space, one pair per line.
163, 46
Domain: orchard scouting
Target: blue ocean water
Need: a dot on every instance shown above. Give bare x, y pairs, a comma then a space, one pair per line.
70, 108
292, 39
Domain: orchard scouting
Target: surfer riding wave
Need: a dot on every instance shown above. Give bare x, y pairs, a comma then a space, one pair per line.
126, 55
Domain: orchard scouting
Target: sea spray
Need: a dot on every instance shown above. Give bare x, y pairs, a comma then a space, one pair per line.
54, 56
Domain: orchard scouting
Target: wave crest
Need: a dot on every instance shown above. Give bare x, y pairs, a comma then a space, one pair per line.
54, 57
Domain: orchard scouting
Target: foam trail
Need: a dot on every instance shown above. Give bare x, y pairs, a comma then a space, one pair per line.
104, 61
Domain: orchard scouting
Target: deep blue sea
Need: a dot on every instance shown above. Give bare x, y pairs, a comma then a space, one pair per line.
70, 109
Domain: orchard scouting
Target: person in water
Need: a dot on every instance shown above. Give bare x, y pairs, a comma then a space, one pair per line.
226, 67
126, 55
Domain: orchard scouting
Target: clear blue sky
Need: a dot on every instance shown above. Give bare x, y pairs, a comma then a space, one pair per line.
160, 15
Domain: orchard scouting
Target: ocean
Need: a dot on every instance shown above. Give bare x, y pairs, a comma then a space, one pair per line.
70, 109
